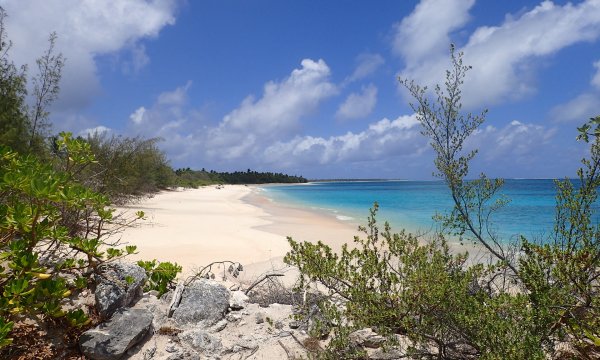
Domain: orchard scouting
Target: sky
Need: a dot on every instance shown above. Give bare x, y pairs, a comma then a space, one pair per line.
311, 87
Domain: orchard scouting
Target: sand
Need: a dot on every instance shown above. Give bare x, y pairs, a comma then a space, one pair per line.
195, 227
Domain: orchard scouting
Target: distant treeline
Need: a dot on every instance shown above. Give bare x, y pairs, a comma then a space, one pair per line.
194, 178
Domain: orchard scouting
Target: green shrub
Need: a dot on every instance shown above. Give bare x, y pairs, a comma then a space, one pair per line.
519, 305
52, 234
126, 168
395, 284
161, 275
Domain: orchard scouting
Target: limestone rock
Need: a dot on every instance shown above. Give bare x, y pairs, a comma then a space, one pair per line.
238, 300
203, 302
118, 285
367, 338
390, 354
112, 339
202, 341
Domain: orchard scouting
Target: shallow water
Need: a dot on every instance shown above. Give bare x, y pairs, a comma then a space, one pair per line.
412, 204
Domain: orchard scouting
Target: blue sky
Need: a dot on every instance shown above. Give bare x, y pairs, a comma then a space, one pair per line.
311, 88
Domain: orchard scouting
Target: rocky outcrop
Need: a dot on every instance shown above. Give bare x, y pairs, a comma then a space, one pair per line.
201, 320
118, 285
238, 300
203, 302
112, 339
367, 338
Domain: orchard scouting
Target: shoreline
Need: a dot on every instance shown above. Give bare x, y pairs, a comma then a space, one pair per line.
195, 227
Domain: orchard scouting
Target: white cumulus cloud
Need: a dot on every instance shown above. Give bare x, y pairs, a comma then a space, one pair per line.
358, 105
138, 116
501, 55
85, 29
381, 140
426, 30
275, 114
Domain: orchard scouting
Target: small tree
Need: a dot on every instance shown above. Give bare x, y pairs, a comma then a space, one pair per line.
446, 307
14, 126
45, 91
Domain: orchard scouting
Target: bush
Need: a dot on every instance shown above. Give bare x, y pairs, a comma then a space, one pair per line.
520, 305
395, 284
52, 234
161, 275
126, 168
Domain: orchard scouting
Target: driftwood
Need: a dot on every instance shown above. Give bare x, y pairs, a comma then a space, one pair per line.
176, 299
260, 280
287, 351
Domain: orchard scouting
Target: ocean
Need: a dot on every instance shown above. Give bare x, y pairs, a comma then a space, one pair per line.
412, 204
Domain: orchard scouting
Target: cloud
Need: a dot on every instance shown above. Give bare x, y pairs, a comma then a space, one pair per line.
244, 131
502, 56
516, 143
358, 105
86, 29
367, 64
139, 59
177, 97
95, 130
381, 140
426, 30
579, 109
583, 106
138, 116
276, 114
596, 78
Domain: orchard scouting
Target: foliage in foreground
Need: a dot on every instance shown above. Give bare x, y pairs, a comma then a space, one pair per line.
126, 168
52, 235
161, 275
520, 305
393, 283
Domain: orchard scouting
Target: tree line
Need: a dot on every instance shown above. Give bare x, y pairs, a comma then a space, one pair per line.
195, 178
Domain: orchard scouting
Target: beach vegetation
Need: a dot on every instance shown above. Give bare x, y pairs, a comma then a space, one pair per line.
161, 275
126, 168
187, 177
53, 234
531, 300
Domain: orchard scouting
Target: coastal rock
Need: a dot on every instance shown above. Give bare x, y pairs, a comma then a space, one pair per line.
367, 338
112, 339
238, 300
202, 341
203, 302
118, 285
390, 354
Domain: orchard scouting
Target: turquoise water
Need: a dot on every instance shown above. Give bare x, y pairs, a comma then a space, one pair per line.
411, 204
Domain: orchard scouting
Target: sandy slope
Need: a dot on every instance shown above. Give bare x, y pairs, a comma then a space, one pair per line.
196, 227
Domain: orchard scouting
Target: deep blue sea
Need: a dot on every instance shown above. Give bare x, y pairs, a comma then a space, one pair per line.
411, 204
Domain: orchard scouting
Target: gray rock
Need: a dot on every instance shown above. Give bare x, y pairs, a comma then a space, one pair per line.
294, 324
112, 339
238, 300
202, 341
259, 317
233, 317
220, 326
390, 354
367, 338
203, 302
113, 291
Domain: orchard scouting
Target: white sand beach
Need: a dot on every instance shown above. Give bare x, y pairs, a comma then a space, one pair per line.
195, 227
